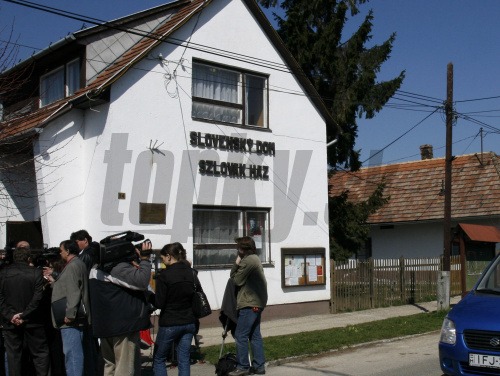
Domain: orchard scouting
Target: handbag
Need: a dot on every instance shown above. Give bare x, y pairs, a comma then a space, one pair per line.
200, 305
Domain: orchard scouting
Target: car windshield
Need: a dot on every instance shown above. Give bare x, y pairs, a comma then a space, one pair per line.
490, 280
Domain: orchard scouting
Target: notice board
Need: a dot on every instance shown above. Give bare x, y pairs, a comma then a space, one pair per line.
302, 267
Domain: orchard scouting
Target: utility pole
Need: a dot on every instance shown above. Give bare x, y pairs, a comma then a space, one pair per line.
444, 280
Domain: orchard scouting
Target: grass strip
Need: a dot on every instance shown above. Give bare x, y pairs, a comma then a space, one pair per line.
315, 342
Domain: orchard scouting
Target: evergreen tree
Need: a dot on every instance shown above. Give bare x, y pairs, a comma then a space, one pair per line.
343, 72
348, 229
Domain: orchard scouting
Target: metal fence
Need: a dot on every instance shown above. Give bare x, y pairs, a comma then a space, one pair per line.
375, 283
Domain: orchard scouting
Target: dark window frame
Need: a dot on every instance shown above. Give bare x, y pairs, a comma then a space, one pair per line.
240, 106
243, 230
65, 73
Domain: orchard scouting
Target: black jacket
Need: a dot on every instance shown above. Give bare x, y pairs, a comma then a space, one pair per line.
119, 306
174, 295
228, 313
90, 255
21, 290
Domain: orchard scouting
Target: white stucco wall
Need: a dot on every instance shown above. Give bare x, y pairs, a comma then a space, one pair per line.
95, 154
416, 240
410, 241
18, 192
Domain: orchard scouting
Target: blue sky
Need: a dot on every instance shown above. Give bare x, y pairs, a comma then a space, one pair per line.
430, 34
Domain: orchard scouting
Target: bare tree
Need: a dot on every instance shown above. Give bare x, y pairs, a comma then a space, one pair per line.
17, 167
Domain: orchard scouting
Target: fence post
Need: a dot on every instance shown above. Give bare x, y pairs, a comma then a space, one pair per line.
402, 281
371, 281
333, 287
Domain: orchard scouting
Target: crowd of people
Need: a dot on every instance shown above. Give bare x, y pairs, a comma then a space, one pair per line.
64, 314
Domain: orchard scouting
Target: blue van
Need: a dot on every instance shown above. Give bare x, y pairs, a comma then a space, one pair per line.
470, 335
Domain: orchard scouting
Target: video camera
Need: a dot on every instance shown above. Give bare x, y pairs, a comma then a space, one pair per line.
120, 248
43, 257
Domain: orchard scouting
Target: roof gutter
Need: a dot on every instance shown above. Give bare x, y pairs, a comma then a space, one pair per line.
36, 56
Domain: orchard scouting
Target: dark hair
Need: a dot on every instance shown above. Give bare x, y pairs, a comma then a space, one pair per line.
21, 255
58, 265
81, 235
176, 250
246, 245
70, 246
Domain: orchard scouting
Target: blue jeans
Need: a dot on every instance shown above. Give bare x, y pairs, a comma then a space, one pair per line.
182, 335
72, 339
248, 329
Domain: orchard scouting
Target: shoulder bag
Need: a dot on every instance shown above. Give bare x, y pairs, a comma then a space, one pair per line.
201, 306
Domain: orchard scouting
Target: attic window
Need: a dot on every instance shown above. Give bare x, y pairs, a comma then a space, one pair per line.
229, 96
60, 83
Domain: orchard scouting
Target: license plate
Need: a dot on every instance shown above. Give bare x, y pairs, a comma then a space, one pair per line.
480, 360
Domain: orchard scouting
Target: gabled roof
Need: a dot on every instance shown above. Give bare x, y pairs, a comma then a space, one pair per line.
416, 188
184, 10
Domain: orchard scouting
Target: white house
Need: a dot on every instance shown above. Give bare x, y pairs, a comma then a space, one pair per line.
189, 122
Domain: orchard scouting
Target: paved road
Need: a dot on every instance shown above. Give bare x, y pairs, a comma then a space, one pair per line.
410, 356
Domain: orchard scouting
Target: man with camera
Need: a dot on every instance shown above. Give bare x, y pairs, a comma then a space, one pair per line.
88, 248
120, 308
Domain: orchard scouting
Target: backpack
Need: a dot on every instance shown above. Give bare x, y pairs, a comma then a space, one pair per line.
226, 364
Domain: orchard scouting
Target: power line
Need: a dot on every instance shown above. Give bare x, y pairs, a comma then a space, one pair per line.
419, 96
475, 121
418, 101
404, 134
200, 47
208, 49
152, 35
478, 99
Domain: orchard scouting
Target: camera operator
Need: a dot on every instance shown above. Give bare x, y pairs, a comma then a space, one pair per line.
88, 248
120, 311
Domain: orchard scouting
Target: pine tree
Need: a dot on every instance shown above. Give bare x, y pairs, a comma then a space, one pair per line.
348, 228
343, 72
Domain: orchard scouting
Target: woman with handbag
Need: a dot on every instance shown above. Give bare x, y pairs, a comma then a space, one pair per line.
177, 322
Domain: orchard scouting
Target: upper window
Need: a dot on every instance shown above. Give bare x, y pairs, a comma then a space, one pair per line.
229, 96
214, 231
60, 83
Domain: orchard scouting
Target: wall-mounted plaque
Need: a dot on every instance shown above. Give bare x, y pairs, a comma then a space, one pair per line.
152, 213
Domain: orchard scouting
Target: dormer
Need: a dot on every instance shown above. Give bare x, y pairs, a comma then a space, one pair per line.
61, 82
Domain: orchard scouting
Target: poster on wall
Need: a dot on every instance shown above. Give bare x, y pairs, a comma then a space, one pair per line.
303, 266
294, 271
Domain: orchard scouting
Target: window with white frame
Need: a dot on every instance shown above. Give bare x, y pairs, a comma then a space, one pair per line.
59, 83
227, 95
214, 231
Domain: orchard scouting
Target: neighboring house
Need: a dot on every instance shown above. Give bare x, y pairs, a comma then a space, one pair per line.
189, 122
411, 223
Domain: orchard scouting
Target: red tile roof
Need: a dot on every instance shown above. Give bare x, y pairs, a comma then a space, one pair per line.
415, 188
186, 9
480, 233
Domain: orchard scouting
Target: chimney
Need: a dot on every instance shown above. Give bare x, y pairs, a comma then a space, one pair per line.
426, 152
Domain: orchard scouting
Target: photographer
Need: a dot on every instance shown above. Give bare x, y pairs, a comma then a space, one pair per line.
120, 310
